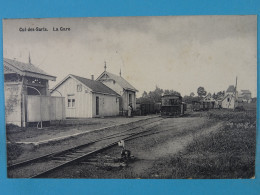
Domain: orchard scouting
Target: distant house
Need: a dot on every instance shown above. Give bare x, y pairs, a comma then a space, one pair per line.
27, 97
87, 98
229, 99
126, 91
245, 96
209, 102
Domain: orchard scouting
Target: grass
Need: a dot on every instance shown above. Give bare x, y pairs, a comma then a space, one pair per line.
229, 153
13, 150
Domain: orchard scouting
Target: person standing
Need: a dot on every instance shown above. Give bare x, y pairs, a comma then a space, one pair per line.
129, 110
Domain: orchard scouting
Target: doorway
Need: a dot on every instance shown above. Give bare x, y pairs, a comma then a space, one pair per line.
97, 105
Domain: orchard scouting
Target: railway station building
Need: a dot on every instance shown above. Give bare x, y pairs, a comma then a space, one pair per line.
87, 98
126, 91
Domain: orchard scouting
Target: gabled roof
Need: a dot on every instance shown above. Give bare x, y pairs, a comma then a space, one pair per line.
95, 86
208, 98
25, 69
119, 79
228, 95
231, 89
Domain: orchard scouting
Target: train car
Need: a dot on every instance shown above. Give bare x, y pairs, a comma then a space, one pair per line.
203, 105
172, 106
150, 108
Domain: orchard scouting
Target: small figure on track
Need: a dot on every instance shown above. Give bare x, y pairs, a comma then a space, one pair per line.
125, 154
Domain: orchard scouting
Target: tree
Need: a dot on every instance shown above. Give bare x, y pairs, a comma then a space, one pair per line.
201, 91
166, 92
145, 95
214, 96
171, 92
155, 96
187, 99
220, 94
192, 94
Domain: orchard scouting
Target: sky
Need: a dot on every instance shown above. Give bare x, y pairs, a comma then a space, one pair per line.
180, 53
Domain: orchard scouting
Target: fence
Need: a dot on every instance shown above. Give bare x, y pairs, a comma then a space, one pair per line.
43, 108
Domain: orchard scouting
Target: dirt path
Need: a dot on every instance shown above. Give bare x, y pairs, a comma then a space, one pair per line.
168, 148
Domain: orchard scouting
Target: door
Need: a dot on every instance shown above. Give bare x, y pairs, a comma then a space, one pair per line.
130, 98
97, 105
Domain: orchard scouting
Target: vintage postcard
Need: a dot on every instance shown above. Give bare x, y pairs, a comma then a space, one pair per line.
158, 97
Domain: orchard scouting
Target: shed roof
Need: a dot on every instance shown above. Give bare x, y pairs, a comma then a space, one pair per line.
12, 66
119, 79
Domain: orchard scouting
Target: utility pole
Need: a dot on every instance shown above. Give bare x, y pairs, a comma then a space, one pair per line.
235, 97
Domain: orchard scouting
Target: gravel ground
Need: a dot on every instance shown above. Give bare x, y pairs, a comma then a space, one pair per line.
179, 133
66, 128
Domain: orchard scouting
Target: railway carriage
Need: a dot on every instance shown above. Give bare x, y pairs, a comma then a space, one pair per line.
172, 106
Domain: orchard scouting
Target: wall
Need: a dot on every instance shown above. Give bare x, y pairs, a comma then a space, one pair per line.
83, 100
228, 104
124, 94
125, 99
13, 100
44, 108
108, 105
114, 86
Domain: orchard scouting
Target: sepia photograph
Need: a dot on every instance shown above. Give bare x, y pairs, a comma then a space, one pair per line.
144, 97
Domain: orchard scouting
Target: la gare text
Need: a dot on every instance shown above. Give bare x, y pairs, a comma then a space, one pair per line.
30, 29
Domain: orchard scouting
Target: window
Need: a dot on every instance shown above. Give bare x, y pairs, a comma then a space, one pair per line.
228, 99
71, 102
79, 88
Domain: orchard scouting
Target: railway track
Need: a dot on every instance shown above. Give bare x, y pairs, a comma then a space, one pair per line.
43, 165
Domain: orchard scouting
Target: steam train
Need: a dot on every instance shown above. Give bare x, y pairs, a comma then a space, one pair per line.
172, 106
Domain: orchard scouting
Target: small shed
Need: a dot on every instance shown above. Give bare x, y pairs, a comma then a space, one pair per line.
87, 98
27, 97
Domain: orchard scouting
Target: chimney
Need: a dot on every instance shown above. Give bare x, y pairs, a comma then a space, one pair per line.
92, 77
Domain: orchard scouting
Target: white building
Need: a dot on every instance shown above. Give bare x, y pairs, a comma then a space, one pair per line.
229, 100
87, 98
126, 91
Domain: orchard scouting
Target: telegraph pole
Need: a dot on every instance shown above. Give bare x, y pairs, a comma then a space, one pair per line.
235, 100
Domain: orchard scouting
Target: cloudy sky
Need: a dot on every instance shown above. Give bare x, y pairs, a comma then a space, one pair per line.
172, 52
